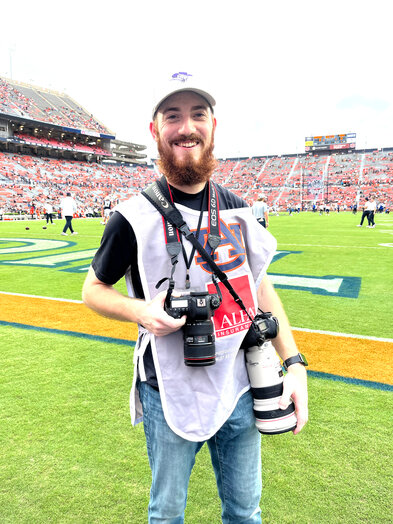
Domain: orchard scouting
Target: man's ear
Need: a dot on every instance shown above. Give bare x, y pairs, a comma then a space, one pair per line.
153, 130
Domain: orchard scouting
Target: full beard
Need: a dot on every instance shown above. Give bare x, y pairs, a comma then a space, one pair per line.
186, 172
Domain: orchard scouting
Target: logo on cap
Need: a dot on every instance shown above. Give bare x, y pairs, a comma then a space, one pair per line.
182, 77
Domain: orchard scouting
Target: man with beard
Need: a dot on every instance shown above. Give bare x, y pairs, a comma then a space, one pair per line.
184, 406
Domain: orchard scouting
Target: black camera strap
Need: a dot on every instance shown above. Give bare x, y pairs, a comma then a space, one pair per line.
155, 195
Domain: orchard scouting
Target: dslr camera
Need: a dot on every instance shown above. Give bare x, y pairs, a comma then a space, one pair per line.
198, 331
266, 377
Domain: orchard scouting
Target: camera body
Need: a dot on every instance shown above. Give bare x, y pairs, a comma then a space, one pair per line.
264, 327
198, 331
266, 377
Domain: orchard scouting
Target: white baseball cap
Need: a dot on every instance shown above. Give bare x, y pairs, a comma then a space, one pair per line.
180, 82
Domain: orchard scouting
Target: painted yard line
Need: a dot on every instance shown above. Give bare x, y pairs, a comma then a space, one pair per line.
349, 380
334, 247
52, 235
65, 314
347, 335
38, 296
360, 359
306, 330
98, 338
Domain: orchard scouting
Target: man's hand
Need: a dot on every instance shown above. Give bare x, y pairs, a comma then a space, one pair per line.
155, 319
107, 301
295, 387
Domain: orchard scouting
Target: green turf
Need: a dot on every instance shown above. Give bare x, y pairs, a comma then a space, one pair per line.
58, 282
328, 245
69, 455
333, 245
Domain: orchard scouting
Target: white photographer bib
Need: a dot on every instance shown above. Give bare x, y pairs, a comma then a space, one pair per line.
198, 400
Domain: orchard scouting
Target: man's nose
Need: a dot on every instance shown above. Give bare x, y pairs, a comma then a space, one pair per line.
187, 126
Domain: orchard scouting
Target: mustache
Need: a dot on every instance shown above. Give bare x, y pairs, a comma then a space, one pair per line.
193, 137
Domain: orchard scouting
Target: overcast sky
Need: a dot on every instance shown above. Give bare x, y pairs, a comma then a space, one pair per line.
279, 70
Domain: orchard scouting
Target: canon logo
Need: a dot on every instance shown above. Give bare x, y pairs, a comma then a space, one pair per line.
171, 231
161, 198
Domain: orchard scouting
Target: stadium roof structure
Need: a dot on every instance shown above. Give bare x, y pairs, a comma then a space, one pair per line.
47, 123
46, 106
126, 152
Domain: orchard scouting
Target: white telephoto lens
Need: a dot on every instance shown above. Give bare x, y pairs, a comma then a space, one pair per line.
266, 379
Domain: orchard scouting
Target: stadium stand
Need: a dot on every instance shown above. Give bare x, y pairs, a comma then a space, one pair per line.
40, 104
47, 123
287, 182
50, 145
68, 145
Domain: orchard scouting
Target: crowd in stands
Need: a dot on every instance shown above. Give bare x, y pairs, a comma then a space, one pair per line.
289, 183
68, 145
37, 104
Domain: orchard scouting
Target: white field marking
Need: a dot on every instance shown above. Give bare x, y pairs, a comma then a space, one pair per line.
332, 285
332, 333
339, 247
347, 335
38, 296
9, 236
52, 260
35, 244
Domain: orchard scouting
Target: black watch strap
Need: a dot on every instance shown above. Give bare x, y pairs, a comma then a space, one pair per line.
297, 359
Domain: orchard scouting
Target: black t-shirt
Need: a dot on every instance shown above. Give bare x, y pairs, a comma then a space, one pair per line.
118, 252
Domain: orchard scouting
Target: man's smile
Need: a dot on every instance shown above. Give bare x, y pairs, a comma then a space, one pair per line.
188, 144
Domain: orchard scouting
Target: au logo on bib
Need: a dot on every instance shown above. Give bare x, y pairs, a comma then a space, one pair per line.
230, 318
231, 253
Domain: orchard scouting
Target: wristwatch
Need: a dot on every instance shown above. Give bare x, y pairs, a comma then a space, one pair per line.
297, 359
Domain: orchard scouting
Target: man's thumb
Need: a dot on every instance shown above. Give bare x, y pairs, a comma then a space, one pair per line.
285, 399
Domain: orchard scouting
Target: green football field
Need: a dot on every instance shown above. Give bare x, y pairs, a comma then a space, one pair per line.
68, 451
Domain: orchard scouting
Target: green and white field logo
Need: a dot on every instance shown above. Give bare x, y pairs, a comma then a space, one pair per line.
64, 260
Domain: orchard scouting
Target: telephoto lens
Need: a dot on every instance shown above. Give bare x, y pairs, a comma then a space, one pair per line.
266, 379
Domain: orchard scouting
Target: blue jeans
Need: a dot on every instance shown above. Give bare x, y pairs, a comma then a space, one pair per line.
235, 452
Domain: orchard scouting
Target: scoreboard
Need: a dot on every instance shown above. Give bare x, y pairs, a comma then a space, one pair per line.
330, 142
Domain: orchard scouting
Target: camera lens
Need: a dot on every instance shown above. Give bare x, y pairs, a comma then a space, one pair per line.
270, 419
199, 347
266, 379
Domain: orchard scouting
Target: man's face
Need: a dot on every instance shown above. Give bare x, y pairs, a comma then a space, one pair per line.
184, 131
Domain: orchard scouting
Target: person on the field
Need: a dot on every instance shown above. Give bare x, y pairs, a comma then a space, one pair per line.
48, 212
372, 208
106, 209
68, 208
261, 211
184, 406
368, 210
